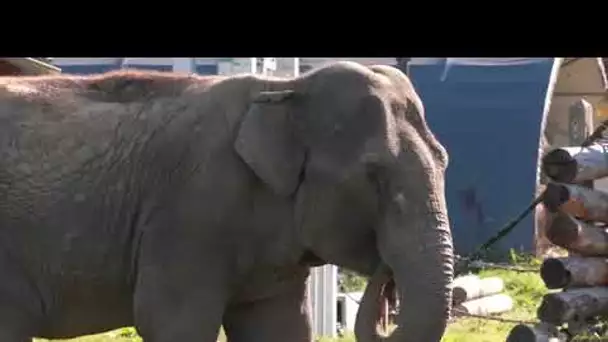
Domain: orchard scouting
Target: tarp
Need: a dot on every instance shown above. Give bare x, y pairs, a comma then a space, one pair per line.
487, 112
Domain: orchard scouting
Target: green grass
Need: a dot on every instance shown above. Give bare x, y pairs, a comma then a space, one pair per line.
526, 289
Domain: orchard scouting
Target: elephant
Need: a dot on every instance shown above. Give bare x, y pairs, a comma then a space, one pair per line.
179, 203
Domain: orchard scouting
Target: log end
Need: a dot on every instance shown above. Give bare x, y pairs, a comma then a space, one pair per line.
555, 196
459, 296
562, 230
559, 165
555, 274
521, 333
539, 333
551, 309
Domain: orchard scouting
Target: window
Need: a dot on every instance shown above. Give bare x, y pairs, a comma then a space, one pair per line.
207, 69
84, 69
157, 67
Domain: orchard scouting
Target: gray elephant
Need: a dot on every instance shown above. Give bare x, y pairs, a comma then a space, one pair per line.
181, 203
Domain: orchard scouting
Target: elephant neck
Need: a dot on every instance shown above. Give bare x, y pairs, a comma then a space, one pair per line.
310, 259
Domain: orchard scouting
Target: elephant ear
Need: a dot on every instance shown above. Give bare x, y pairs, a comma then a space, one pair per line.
267, 142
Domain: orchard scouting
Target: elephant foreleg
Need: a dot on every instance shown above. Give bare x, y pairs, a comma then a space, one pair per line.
20, 310
279, 318
175, 301
168, 313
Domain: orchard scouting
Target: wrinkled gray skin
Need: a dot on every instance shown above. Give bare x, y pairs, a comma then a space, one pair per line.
179, 204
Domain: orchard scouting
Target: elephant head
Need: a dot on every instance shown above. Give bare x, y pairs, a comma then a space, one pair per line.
350, 146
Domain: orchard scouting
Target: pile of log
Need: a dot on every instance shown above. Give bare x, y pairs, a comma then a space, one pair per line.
577, 223
476, 296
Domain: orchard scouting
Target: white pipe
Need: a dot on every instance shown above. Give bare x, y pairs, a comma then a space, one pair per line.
254, 63
296, 67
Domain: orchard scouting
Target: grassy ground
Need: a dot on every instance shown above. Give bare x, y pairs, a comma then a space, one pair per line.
526, 289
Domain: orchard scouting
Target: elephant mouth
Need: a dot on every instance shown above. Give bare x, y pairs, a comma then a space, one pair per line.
386, 298
371, 323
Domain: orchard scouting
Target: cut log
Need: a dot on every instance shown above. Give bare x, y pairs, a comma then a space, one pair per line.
577, 164
461, 281
542, 332
579, 237
473, 288
578, 201
574, 305
574, 271
489, 305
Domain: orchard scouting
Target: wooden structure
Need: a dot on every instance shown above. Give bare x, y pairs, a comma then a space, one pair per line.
577, 220
26, 66
577, 87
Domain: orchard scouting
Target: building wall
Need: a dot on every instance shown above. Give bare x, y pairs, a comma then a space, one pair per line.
285, 65
318, 61
202, 65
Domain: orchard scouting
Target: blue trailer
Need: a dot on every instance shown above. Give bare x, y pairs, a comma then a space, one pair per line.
494, 116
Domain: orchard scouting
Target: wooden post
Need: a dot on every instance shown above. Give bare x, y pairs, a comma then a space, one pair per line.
577, 164
582, 238
574, 271
580, 126
573, 305
578, 201
473, 287
542, 332
489, 305
580, 121
296, 67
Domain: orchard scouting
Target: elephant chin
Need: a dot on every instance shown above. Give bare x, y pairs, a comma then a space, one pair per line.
366, 325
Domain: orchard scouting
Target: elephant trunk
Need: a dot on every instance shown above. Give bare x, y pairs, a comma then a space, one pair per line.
417, 249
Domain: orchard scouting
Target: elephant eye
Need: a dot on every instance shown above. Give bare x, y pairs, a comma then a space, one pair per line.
376, 175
